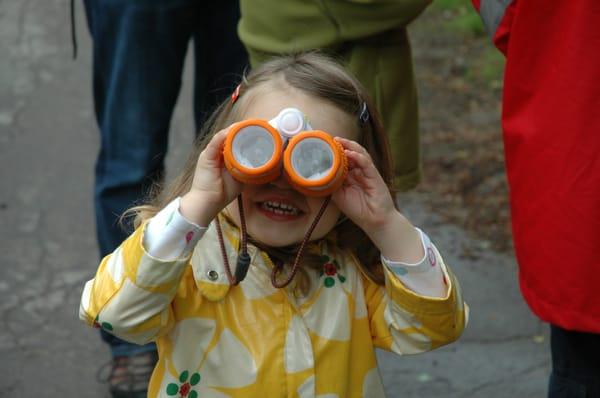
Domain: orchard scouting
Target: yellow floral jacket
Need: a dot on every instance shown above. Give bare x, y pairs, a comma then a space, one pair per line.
253, 340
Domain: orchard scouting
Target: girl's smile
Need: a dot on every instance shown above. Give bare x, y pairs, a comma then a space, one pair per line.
275, 213
279, 208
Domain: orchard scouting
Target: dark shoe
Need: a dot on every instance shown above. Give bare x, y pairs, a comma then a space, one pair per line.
129, 375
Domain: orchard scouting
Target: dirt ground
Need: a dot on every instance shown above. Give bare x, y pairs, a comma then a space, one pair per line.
459, 76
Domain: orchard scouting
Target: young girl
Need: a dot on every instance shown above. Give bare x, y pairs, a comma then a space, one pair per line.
317, 299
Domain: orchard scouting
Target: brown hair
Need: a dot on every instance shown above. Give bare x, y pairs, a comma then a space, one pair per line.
315, 75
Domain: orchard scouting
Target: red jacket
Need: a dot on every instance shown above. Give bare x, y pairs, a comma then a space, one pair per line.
551, 127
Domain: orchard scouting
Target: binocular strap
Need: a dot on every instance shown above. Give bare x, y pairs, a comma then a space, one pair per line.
243, 261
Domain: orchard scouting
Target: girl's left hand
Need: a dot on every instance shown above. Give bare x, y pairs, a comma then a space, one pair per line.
367, 201
364, 197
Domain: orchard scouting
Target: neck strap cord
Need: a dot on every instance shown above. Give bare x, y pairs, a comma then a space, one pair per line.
278, 268
243, 260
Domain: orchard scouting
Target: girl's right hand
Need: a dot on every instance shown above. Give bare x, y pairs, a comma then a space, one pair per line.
213, 187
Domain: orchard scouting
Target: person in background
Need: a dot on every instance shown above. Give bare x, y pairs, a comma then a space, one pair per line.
370, 38
139, 49
551, 129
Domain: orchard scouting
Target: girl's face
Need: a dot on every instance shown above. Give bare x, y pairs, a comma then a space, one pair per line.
263, 222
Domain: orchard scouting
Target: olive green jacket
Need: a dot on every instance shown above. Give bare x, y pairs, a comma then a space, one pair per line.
370, 36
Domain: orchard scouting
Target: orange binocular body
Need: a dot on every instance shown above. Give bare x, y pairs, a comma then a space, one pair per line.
257, 152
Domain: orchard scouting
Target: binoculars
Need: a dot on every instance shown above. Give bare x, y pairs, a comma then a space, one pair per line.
312, 162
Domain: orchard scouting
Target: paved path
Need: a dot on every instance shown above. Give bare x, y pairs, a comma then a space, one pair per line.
48, 142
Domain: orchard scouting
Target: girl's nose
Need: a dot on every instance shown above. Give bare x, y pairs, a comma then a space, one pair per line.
281, 183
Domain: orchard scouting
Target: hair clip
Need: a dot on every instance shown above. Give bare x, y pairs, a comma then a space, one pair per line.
235, 94
364, 117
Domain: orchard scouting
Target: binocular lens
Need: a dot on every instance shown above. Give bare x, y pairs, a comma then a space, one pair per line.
253, 146
312, 159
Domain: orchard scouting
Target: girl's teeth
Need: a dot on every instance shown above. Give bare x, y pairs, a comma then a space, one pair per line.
280, 208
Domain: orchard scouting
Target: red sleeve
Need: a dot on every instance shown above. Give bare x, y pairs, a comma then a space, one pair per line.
498, 31
502, 33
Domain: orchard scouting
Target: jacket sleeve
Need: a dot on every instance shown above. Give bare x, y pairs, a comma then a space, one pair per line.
405, 322
270, 27
131, 293
392, 13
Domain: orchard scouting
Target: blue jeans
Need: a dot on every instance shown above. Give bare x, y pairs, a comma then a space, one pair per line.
575, 364
139, 51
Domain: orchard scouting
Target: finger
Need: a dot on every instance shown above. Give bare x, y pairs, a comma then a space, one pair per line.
232, 186
352, 145
361, 179
365, 159
215, 145
350, 179
362, 161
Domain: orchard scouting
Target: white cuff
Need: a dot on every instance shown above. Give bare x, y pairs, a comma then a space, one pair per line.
171, 236
423, 265
425, 277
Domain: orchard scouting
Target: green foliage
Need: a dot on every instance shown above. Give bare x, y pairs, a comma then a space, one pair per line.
469, 23
488, 67
450, 4
459, 19
460, 16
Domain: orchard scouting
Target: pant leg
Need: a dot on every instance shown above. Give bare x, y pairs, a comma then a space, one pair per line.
138, 54
575, 364
220, 56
